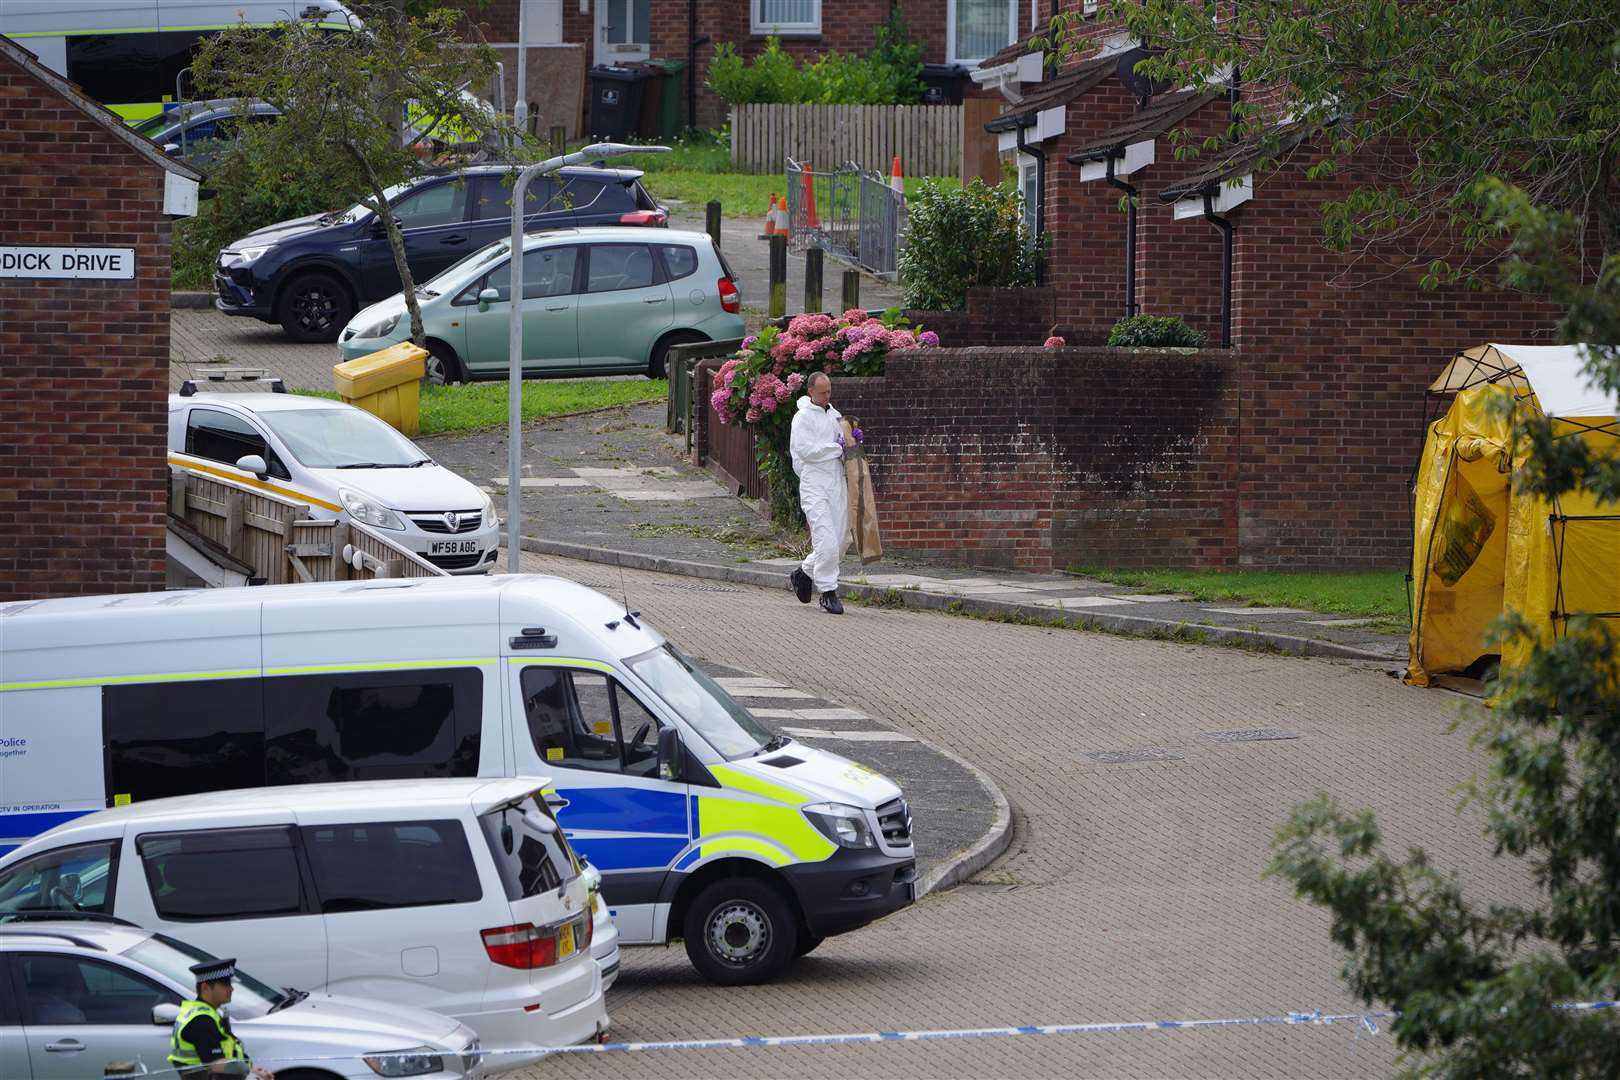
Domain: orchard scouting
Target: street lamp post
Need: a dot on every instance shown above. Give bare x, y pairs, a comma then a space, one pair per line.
514, 335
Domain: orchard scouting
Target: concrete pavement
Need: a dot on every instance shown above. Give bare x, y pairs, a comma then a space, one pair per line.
1133, 889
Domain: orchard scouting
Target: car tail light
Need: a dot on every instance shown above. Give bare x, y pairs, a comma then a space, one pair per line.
521, 946
730, 298
588, 929
644, 217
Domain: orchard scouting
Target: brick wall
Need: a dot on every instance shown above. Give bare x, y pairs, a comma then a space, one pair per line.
84, 383
1008, 317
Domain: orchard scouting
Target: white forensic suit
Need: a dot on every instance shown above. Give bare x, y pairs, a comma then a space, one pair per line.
818, 458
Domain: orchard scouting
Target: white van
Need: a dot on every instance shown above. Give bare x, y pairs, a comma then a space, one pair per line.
340, 461
456, 896
704, 826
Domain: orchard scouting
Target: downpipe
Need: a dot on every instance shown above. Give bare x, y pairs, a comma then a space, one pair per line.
1225, 228
1130, 236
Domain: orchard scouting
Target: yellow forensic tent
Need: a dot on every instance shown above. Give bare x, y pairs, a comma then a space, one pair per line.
1481, 545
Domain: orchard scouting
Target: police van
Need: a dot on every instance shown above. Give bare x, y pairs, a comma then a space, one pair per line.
751, 847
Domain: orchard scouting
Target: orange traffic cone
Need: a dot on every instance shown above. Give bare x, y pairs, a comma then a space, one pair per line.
770, 217
782, 225
895, 183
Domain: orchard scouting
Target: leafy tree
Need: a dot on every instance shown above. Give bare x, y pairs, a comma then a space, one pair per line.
1441, 93
355, 98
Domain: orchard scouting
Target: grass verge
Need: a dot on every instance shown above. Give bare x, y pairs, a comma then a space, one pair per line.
1371, 594
450, 410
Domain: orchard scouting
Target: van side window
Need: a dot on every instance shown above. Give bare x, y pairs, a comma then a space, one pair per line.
586, 720
215, 874
391, 865
386, 725
79, 878
176, 738
219, 436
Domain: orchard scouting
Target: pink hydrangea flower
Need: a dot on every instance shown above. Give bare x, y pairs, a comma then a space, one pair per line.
748, 342
902, 339
752, 416
1054, 342
794, 381
928, 338
810, 325
854, 316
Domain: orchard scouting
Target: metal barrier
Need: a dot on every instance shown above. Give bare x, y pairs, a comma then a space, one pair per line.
849, 212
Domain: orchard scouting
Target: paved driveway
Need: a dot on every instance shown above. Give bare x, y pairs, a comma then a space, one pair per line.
1132, 891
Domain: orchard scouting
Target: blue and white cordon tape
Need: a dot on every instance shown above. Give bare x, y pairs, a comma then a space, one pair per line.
1363, 1021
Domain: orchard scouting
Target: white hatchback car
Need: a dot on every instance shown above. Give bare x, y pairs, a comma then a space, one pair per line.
460, 896
94, 993
343, 463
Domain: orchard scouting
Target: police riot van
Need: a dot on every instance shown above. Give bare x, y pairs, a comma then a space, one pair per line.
752, 848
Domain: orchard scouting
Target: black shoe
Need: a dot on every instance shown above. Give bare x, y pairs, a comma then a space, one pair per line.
830, 603
802, 586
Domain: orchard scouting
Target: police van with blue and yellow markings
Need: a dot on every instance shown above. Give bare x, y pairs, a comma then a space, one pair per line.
704, 826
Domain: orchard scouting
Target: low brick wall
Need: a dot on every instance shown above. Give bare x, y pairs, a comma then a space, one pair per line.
994, 317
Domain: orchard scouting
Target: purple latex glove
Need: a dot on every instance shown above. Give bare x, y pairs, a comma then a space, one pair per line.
840, 437
860, 436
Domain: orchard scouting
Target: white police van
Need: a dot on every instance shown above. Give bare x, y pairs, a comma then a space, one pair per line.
704, 826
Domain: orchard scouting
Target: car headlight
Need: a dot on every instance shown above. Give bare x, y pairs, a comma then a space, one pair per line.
417, 1061
381, 328
242, 256
490, 516
367, 512
844, 825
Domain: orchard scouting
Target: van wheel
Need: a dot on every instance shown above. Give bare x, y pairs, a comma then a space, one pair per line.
314, 307
442, 366
740, 932
658, 367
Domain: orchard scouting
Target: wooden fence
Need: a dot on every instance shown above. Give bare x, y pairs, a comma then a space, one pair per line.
276, 539
727, 449
927, 138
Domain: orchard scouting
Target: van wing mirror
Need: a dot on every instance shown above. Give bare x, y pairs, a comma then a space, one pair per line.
669, 754
254, 464
165, 1014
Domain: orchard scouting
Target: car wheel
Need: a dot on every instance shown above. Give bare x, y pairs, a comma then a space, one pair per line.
740, 932
442, 365
658, 367
314, 307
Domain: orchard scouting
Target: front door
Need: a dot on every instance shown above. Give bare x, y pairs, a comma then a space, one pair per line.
621, 31
550, 304
626, 305
80, 1014
599, 745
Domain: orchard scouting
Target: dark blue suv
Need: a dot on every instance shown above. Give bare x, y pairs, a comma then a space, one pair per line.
312, 274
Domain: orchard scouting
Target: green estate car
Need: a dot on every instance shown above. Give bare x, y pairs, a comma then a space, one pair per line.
596, 301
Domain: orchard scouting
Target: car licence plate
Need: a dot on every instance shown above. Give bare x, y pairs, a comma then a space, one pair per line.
453, 547
565, 941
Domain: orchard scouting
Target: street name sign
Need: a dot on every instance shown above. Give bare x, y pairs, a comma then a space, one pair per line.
67, 262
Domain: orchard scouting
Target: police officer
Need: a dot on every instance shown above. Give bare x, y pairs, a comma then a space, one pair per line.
202, 1044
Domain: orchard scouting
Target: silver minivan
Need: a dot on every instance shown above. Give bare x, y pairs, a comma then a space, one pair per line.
462, 897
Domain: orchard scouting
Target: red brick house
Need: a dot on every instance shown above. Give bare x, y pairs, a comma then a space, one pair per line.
578, 34
84, 333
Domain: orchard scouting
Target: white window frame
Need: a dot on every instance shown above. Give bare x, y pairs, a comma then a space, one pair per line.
950, 33
1028, 174
756, 19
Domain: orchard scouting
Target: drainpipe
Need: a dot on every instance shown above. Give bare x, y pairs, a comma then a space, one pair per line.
1130, 235
1040, 199
1225, 228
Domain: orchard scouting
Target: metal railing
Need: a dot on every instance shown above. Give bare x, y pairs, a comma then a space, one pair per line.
849, 212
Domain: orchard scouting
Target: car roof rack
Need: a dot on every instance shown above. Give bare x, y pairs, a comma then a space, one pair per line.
44, 915
189, 387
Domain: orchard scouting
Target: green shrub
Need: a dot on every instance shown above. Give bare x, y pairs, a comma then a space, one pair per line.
1154, 331
960, 237
891, 74
251, 188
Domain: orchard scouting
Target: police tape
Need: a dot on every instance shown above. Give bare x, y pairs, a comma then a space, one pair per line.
1363, 1021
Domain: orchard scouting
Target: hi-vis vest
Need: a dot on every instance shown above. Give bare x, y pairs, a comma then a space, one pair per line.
182, 1054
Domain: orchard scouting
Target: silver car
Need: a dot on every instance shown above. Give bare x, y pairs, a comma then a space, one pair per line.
96, 992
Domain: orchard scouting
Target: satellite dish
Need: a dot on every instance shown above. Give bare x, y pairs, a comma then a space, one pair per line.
1140, 85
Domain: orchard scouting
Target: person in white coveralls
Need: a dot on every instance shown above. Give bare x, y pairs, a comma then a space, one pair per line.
818, 457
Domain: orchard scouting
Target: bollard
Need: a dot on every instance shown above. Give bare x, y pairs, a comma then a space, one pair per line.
852, 289
559, 139
711, 221
812, 279
778, 276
